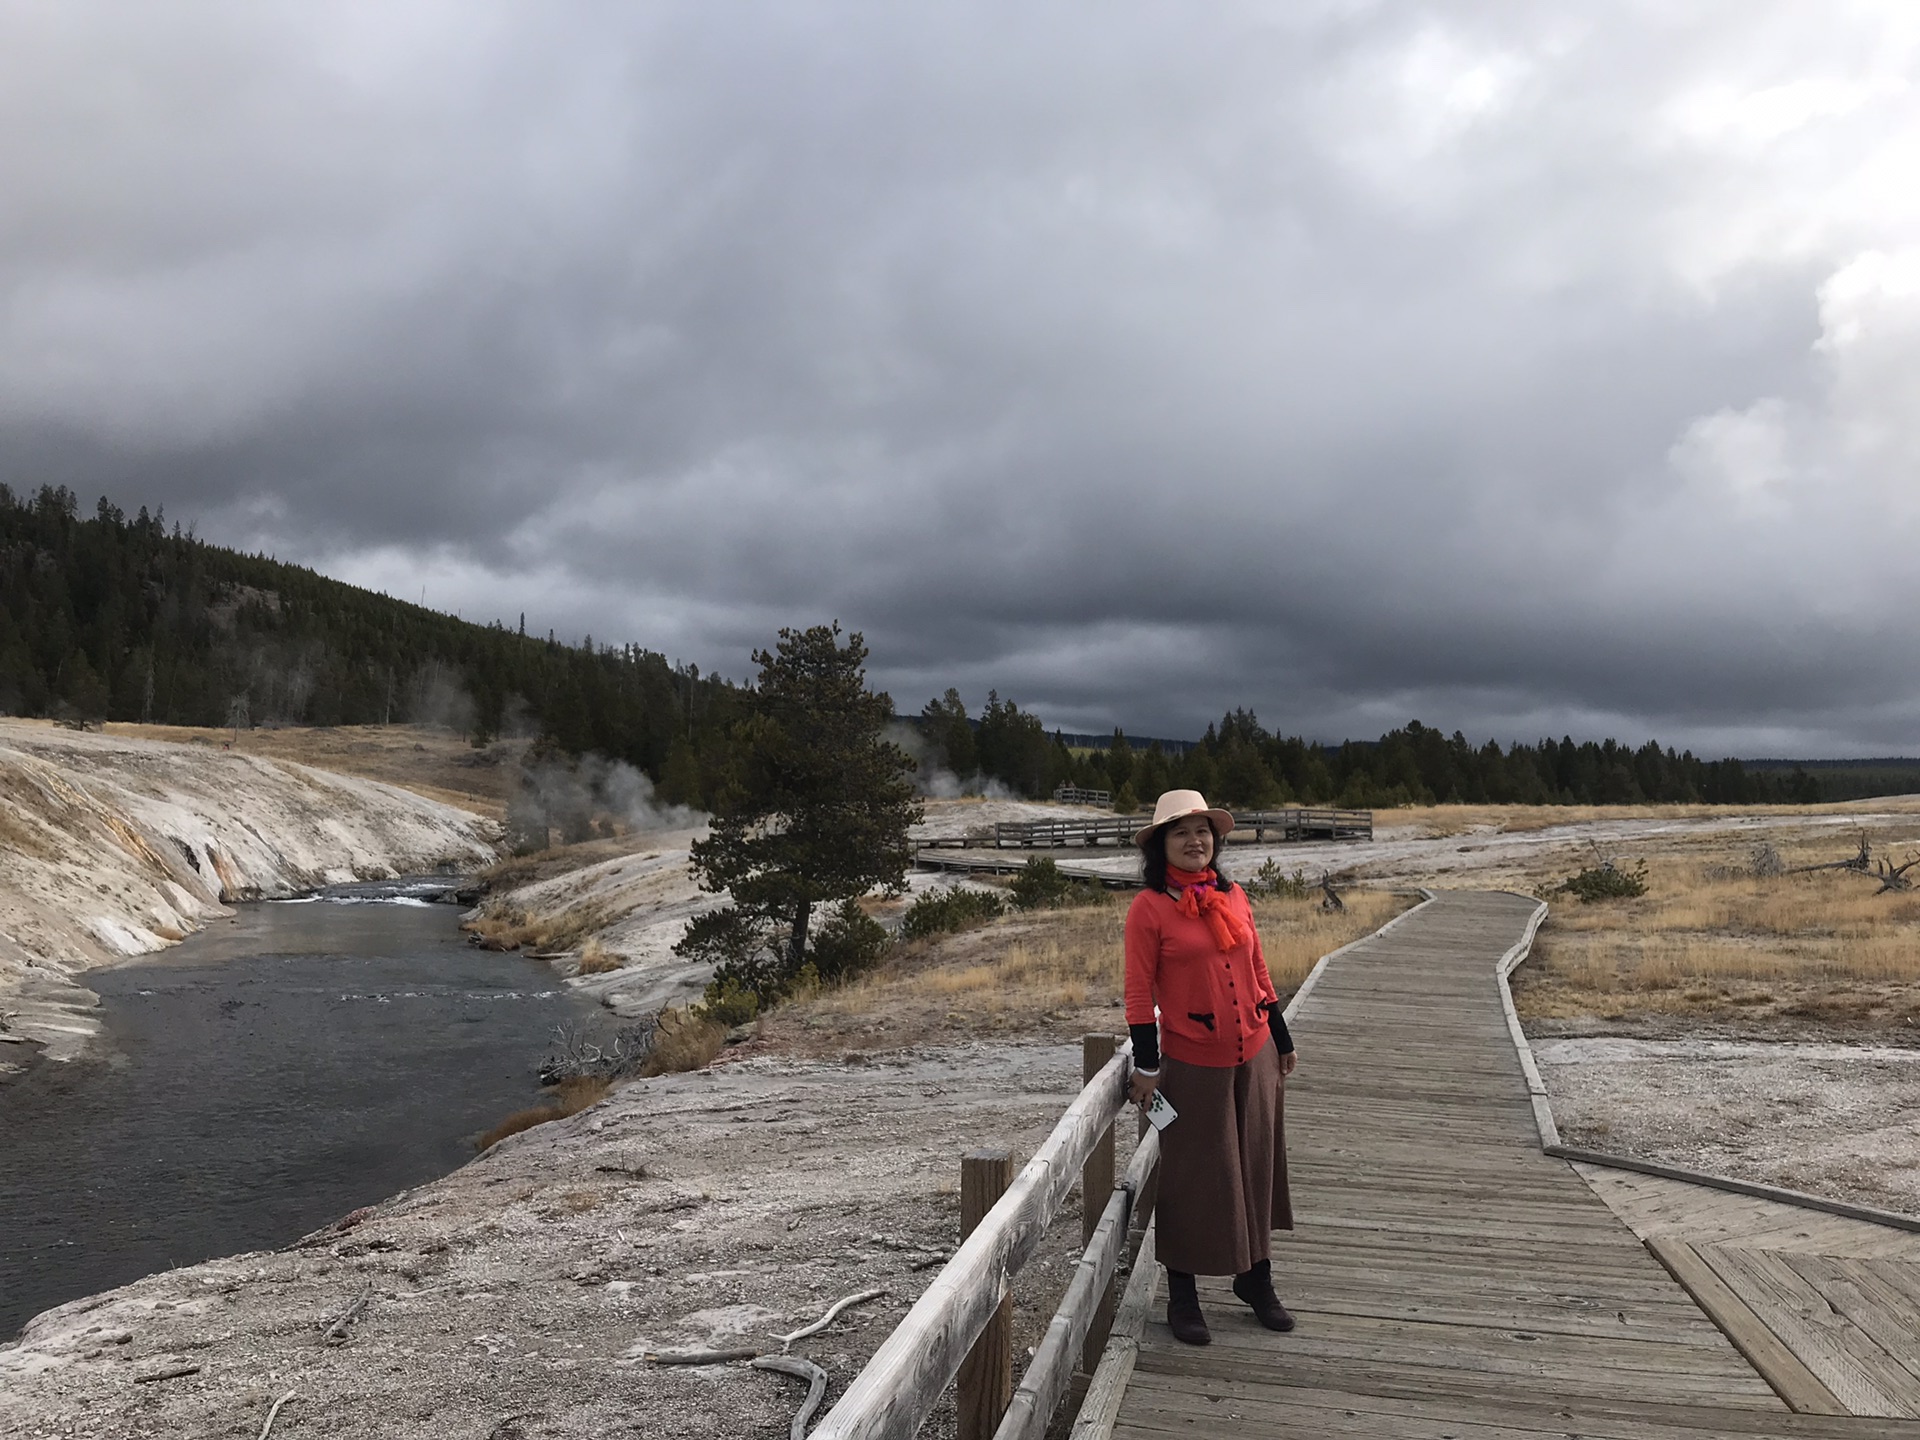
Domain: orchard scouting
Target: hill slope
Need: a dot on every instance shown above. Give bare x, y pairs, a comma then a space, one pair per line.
115, 618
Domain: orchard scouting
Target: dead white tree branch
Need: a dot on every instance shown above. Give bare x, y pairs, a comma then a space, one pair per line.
799, 1369
786, 1341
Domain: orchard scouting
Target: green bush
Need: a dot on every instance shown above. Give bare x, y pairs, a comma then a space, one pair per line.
849, 943
943, 912
1271, 880
1042, 885
729, 1002
1607, 881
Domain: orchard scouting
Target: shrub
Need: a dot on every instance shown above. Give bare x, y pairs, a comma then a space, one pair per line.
1271, 881
746, 953
849, 943
1042, 885
569, 1097
943, 912
687, 1040
596, 959
730, 1003
1606, 881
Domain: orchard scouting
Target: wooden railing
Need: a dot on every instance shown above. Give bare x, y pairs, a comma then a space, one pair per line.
1254, 826
1078, 795
960, 1328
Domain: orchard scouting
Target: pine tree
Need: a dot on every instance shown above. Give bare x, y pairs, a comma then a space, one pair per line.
817, 813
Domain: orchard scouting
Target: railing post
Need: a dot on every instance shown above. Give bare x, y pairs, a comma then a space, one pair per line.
1096, 1188
984, 1386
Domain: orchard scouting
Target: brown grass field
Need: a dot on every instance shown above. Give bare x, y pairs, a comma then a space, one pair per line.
1443, 820
1055, 972
1718, 943
425, 759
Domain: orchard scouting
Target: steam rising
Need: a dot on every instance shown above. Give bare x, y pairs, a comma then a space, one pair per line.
588, 797
933, 779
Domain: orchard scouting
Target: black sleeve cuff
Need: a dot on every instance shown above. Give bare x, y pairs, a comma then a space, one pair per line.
1146, 1046
1277, 1022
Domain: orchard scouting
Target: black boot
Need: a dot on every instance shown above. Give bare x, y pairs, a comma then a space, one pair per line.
1256, 1288
1189, 1326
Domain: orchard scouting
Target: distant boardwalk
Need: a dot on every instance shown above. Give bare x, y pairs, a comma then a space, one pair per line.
1450, 1279
1250, 827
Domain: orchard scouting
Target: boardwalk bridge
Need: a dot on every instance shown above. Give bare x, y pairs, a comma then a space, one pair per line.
1456, 1271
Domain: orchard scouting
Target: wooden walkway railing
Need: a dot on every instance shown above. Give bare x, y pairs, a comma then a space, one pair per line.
959, 1328
1252, 827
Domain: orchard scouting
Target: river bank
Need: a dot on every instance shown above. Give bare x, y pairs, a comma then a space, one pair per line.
518, 1296
281, 1067
118, 847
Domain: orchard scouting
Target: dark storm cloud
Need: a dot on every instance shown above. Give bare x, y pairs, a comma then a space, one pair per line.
1520, 369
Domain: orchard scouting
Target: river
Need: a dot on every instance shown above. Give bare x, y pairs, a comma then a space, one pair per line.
260, 1079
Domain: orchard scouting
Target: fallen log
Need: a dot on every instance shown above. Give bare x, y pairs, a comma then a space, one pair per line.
700, 1357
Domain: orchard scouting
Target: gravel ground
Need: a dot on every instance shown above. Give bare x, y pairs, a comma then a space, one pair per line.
518, 1296
1836, 1120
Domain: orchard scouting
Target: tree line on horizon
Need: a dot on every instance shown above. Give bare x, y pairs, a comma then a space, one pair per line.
125, 618
1239, 763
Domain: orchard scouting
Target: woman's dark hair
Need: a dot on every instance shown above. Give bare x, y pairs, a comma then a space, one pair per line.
1153, 858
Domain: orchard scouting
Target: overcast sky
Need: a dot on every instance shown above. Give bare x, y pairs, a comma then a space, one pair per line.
1518, 368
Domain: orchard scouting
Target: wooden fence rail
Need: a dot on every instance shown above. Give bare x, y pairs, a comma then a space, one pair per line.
1050, 1372
891, 1398
1254, 826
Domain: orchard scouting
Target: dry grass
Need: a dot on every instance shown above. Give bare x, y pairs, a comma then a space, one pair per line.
429, 761
507, 926
1056, 972
1294, 934
596, 959
686, 1041
1713, 940
518, 870
1445, 820
569, 1097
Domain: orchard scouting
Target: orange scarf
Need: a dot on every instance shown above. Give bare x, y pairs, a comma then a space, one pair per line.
1200, 899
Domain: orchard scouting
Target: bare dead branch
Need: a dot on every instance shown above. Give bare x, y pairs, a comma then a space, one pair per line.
267, 1429
336, 1333
799, 1369
786, 1341
700, 1357
172, 1372
1860, 864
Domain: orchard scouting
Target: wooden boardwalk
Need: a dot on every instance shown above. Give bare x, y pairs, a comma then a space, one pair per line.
1450, 1279
1841, 1296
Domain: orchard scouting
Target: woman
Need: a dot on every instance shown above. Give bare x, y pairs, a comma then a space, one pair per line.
1193, 953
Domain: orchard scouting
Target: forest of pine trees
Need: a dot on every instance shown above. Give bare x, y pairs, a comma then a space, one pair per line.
107, 617
1237, 763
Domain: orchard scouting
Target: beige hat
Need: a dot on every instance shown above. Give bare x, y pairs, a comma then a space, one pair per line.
1177, 805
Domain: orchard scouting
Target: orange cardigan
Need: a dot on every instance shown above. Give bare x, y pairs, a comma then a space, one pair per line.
1215, 1005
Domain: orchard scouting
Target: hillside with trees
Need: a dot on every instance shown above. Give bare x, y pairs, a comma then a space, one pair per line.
111, 617
106, 616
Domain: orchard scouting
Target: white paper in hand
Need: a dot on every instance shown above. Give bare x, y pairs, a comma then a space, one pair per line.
1159, 1113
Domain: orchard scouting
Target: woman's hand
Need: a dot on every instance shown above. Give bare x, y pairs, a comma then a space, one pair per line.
1140, 1087
1287, 1062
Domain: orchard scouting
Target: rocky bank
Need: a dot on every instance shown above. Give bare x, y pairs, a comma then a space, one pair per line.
112, 847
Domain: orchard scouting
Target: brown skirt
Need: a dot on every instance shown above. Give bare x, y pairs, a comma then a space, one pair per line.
1223, 1165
